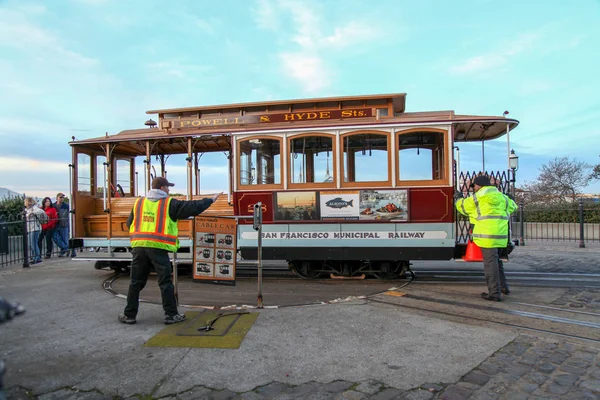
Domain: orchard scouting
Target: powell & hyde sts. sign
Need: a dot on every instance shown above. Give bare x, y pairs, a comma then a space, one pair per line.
268, 118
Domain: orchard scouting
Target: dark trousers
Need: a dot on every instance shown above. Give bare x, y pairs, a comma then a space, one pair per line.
501, 275
493, 268
47, 235
143, 258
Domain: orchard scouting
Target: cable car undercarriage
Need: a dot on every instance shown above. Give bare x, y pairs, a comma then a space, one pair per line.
384, 270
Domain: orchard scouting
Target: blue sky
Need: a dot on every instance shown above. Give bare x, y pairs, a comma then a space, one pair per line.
85, 67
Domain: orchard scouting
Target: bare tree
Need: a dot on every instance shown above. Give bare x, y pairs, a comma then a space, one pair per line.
562, 179
595, 175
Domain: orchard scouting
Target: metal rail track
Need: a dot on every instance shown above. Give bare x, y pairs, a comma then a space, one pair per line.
538, 279
533, 318
588, 331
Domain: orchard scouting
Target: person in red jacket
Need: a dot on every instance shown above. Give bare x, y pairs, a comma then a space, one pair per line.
48, 228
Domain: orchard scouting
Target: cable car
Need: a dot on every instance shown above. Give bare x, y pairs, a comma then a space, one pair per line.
349, 186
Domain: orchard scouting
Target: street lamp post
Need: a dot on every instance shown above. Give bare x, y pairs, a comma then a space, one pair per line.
513, 162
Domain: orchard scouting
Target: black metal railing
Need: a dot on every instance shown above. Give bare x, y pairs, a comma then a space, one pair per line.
576, 222
16, 236
498, 178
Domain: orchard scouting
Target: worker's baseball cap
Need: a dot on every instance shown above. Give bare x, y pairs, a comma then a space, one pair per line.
159, 182
481, 180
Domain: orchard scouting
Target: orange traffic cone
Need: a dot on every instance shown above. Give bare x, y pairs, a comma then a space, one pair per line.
473, 253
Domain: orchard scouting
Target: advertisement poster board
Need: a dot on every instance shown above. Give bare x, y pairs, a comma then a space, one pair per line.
215, 250
386, 205
340, 204
296, 206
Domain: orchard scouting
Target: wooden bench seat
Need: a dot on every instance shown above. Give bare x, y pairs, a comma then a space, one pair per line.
97, 226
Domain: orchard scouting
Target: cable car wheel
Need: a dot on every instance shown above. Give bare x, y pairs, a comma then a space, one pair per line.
347, 268
306, 269
384, 270
388, 270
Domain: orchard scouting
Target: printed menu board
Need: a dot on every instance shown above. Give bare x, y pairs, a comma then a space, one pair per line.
215, 250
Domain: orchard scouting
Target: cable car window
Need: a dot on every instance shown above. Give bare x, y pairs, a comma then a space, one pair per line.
260, 162
99, 178
123, 175
366, 158
421, 156
311, 159
84, 173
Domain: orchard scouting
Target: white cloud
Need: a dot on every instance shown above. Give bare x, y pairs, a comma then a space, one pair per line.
300, 23
308, 69
14, 126
17, 32
533, 86
542, 41
92, 2
263, 93
30, 165
266, 15
30, 8
203, 25
498, 58
167, 70
352, 33
17, 87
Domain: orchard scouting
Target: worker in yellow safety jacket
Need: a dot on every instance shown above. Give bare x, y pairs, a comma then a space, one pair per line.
153, 234
491, 210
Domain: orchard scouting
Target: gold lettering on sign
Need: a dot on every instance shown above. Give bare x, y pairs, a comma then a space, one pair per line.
317, 115
194, 123
270, 118
251, 208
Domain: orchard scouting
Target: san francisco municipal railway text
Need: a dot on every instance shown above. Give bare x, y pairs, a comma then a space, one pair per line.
343, 235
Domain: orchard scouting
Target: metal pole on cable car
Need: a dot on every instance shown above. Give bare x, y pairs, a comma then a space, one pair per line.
457, 175
197, 192
507, 144
257, 226
229, 177
71, 215
508, 175
104, 188
163, 173
483, 156
189, 160
147, 161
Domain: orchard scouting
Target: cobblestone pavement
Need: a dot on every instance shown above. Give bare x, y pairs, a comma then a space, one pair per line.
558, 257
526, 368
588, 299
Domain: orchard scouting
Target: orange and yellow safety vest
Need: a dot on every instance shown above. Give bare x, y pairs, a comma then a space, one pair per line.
152, 226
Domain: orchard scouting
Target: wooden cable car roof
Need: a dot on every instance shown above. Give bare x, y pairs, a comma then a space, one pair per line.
398, 100
467, 128
132, 143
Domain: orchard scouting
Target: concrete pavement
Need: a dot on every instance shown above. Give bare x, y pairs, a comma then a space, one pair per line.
69, 345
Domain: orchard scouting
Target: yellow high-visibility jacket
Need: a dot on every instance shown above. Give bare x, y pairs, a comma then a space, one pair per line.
152, 226
491, 210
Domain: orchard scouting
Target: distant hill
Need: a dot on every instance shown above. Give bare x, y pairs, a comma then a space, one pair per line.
4, 193
7, 193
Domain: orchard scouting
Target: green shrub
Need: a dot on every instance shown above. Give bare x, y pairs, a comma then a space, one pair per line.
11, 210
568, 213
